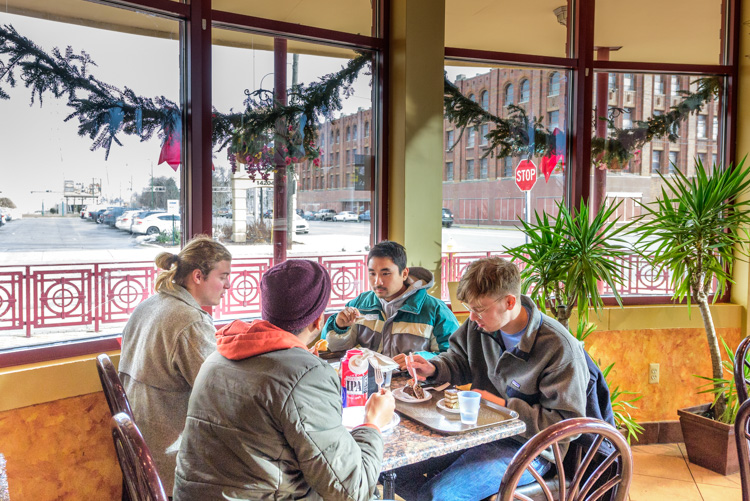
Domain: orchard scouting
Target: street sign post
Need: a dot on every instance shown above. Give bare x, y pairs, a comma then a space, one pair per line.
525, 180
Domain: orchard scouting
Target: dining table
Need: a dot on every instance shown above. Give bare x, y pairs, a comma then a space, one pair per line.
410, 442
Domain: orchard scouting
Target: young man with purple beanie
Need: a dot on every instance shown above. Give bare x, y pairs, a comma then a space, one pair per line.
264, 419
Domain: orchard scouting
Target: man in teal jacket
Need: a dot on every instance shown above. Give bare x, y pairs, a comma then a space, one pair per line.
397, 316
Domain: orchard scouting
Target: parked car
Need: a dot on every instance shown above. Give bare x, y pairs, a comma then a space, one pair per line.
154, 224
300, 225
98, 216
5, 211
125, 221
447, 218
364, 216
308, 215
345, 216
110, 215
224, 213
325, 215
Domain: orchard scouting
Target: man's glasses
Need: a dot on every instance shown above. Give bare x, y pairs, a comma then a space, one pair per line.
478, 313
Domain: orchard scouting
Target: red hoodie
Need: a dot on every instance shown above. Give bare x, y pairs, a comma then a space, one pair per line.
239, 340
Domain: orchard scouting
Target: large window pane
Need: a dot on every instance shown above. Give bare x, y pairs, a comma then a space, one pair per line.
667, 31
82, 278
482, 194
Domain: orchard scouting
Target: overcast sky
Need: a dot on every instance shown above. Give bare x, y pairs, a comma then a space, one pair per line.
39, 150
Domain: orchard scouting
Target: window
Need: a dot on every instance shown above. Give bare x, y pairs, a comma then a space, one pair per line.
470, 169
473, 97
658, 85
554, 84
713, 159
674, 161
508, 167
525, 91
483, 131
338, 136
354, 132
485, 100
348, 157
449, 171
553, 120
656, 161
470, 137
483, 168
627, 118
508, 95
448, 140
367, 129
628, 82
348, 134
700, 126
612, 82
674, 86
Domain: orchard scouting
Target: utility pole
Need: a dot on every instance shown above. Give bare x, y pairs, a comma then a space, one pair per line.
290, 177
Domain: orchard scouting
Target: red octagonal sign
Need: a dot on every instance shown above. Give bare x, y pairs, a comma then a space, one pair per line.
525, 175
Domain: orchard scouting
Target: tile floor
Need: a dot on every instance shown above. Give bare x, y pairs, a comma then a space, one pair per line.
662, 472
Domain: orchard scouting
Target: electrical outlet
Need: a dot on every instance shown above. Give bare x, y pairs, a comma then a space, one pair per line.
653, 373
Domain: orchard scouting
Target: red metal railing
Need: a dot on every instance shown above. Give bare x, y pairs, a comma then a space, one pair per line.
99, 295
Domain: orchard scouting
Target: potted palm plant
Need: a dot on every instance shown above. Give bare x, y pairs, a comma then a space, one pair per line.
695, 230
564, 262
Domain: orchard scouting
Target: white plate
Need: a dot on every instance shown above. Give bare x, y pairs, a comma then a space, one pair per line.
352, 417
441, 405
400, 395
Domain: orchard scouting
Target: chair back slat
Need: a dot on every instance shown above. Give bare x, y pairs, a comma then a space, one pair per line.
140, 475
740, 362
589, 482
742, 437
112, 386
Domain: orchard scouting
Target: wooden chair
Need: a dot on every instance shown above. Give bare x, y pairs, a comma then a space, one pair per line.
588, 481
112, 386
117, 400
740, 362
138, 468
742, 436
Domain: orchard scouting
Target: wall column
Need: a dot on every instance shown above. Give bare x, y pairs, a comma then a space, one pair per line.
416, 66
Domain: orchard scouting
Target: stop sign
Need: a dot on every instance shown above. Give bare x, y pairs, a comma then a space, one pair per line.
525, 175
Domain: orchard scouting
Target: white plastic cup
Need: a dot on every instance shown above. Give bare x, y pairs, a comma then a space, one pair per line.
468, 406
387, 379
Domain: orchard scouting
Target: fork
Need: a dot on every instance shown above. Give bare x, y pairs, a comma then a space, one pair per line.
379, 377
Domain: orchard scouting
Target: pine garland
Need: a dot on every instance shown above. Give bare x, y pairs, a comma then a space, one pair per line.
104, 111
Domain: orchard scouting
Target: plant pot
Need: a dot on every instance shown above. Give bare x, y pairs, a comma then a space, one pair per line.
709, 443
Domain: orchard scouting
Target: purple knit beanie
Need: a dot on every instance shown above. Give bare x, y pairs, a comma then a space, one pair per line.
294, 293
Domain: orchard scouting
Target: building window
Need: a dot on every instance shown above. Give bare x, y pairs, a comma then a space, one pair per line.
470, 169
485, 100
612, 82
702, 158
713, 160
483, 168
367, 150
470, 139
628, 82
338, 136
656, 161
483, 131
448, 140
338, 158
508, 100
348, 133
348, 157
554, 84
449, 171
473, 97
658, 85
674, 86
367, 129
553, 120
354, 133
700, 127
673, 161
627, 118
508, 167
525, 91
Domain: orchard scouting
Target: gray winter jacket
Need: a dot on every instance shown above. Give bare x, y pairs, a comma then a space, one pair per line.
164, 344
265, 423
544, 378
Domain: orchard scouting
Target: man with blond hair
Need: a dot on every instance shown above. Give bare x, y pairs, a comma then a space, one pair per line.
508, 348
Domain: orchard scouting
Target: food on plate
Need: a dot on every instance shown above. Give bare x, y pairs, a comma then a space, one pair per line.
464, 387
321, 345
450, 399
413, 389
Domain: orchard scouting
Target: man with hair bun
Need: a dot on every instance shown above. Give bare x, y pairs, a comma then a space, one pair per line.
264, 420
166, 340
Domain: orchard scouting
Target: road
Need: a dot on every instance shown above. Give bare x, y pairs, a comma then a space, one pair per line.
47, 233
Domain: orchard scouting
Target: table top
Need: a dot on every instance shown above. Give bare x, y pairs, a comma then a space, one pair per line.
411, 442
